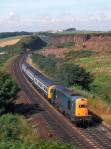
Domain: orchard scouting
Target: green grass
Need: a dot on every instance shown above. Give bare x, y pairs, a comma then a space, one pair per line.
96, 104
83, 55
4, 58
100, 67
66, 45
44, 144
81, 32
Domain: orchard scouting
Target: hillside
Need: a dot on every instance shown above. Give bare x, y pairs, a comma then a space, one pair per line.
92, 52
99, 42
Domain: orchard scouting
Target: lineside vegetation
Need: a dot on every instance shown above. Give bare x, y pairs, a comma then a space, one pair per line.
8, 91
15, 133
63, 72
98, 91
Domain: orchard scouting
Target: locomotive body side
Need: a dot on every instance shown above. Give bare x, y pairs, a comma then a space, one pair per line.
72, 105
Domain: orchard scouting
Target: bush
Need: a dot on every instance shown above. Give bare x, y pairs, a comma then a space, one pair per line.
48, 64
70, 74
10, 126
8, 91
67, 74
15, 127
31, 42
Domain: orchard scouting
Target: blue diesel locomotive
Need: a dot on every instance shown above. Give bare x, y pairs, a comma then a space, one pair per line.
66, 101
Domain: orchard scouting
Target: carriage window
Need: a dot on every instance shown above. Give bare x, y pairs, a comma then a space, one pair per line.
69, 104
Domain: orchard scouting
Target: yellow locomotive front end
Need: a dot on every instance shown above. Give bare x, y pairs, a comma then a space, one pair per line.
50, 92
81, 110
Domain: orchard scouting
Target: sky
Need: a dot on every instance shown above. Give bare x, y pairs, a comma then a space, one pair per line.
43, 15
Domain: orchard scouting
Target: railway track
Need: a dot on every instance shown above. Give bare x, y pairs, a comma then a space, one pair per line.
66, 132
99, 135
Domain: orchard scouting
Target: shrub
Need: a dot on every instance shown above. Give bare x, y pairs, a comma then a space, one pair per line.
14, 127
31, 42
8, 91
48, 64
9, 126
67, 74
70, 74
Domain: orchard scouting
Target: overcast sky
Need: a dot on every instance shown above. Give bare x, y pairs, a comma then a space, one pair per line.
41, 15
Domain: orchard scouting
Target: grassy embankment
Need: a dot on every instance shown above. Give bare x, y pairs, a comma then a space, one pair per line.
15, 133
100, 66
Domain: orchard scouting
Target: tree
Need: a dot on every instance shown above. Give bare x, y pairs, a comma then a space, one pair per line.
8, 91
31, 42
70, 74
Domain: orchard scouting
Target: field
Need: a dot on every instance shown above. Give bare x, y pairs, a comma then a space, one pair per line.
9, 41
5, 59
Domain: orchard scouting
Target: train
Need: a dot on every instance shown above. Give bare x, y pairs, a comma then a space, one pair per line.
72, 105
